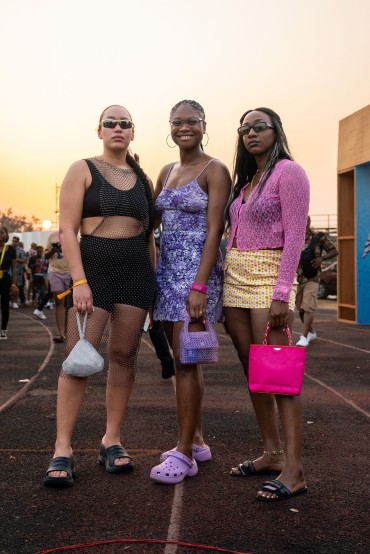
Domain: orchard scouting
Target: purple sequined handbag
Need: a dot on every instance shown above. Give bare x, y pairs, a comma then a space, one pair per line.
198, 347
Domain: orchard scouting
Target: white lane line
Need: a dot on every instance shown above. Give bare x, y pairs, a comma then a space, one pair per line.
23, 391
174, 526
350, 402
175, 519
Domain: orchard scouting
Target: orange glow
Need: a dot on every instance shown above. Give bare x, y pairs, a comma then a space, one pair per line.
59, 75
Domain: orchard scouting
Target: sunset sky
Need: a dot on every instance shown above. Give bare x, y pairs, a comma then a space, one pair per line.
62, 63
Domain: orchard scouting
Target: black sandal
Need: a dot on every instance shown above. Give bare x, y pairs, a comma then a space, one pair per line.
248, 470
108, 455
281, 492
61, 463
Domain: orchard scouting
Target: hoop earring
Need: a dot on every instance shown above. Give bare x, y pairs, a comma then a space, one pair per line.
169, 144
205, 133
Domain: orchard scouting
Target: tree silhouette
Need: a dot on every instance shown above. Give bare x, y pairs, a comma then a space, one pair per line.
19, 223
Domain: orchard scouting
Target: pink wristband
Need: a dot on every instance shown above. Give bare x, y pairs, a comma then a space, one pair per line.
200, 288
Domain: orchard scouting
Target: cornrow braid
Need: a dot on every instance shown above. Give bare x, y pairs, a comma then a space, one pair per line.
148, 191
191, 103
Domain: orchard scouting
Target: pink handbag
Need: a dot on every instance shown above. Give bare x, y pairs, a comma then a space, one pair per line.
275, 369
198, 347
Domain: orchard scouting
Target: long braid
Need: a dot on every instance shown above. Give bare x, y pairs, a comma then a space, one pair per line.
148, 191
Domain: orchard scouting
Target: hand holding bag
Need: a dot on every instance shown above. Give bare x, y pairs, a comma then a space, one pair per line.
198, 347
276, 369
83, 360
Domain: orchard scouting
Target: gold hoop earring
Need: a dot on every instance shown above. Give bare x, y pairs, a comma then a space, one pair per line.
169, 144
204, 145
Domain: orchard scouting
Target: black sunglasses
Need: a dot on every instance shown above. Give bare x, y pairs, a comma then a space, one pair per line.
257, 128
123, 123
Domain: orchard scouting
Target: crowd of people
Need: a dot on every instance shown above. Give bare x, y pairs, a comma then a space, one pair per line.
31, 275
104, 261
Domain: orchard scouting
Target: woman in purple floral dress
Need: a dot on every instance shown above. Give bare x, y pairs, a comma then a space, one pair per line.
191, 196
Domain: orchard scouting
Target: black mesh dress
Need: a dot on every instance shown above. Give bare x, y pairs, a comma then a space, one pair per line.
117, 265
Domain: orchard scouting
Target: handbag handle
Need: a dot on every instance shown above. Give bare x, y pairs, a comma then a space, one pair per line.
81, 331
285, 328
188, 320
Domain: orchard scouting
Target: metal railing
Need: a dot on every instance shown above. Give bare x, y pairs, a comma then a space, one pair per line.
327, 223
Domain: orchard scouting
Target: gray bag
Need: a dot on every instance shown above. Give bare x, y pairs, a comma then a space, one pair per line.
83, 360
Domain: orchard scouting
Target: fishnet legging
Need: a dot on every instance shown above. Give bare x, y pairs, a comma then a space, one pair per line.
125, 329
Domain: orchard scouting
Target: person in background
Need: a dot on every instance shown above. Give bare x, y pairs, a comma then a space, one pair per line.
59, 279
7, 282
309, 272
109, 199
45, 301
38, 265
162, 350
267, 217
30, 252
21, 261
191, 196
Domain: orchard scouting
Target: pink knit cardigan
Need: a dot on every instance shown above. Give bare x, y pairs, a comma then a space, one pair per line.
274, 220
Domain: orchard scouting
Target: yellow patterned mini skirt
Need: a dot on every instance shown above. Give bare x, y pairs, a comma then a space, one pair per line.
250, 278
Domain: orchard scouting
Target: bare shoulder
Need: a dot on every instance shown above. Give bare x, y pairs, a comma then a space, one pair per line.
79, 167
218, 170
165, 170
218, 165
78, 177
163, 173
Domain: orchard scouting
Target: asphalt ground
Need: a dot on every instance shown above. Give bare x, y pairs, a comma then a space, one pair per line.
211, 509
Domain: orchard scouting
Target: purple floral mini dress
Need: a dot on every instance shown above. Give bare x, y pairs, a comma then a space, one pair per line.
184, 218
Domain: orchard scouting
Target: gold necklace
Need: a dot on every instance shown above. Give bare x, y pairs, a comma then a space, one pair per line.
255, 175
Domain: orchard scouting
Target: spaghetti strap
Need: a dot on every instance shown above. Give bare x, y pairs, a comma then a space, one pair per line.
168, 174
204, 168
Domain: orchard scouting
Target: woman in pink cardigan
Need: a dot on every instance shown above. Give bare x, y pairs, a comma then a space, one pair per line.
267, 217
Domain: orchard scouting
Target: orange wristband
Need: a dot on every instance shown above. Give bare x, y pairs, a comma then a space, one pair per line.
66, 292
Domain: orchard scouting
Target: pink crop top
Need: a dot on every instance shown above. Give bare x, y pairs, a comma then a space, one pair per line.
274, 220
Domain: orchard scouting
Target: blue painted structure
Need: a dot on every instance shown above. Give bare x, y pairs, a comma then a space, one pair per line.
362, 208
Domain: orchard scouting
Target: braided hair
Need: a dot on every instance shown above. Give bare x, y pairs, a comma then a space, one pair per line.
147, 189
191, 103
140, 174
245, 165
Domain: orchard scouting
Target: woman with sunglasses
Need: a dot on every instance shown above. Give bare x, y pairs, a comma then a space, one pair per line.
191, 196
267, 215
109, 199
